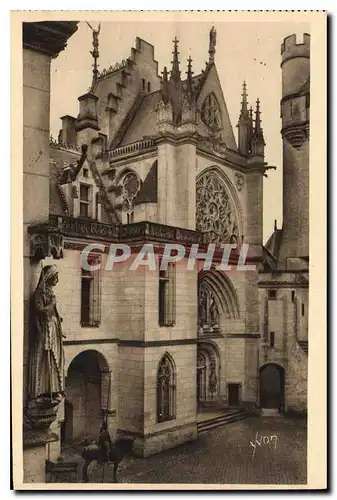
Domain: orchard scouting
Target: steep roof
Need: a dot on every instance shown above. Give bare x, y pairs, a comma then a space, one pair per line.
145, 120
57, 202
273, 244
148, 191
271, 249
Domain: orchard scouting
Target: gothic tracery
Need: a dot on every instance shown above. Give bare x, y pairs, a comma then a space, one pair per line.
130, 189
215, 212
210, 112
165, 390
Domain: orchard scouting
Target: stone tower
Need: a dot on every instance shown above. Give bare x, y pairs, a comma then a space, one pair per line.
295, 133
284, 282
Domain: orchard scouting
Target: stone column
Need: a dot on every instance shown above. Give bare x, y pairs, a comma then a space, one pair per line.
41, 42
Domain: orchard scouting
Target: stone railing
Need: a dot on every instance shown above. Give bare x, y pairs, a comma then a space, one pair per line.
60, 145
111, 69
130, 149
82, 228
211, 145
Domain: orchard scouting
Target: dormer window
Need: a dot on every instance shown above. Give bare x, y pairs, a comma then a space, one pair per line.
85, 172
85, 200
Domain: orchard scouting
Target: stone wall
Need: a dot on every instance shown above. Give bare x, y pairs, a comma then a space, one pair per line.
296, 390
283, 316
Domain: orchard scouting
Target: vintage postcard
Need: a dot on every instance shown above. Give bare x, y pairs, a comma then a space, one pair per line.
168, 243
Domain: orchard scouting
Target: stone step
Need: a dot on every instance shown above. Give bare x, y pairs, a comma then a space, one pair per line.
227, 418
270, 412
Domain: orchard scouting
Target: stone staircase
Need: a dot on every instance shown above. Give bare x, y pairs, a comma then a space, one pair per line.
304, 345
228, 416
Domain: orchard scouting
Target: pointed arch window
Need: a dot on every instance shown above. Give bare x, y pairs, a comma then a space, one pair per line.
130, 190
166, 390
210, 112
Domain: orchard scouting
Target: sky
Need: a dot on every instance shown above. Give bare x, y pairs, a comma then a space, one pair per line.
247, 51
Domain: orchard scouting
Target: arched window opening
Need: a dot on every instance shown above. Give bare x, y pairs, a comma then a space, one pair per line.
166, 390
130, 190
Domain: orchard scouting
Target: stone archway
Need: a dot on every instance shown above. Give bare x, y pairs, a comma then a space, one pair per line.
208, 374
217, 301
86, 386
272, 386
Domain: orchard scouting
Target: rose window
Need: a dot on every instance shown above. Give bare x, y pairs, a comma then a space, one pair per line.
215, 213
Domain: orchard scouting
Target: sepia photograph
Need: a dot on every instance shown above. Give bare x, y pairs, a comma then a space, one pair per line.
167, 223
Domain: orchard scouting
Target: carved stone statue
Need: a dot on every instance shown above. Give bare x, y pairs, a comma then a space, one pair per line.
208, 312
95, 33
212, 44
213, 381
46, 358
94, 53
214, 312
202, 306
212, 39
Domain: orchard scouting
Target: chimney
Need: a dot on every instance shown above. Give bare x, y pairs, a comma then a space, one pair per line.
68, 132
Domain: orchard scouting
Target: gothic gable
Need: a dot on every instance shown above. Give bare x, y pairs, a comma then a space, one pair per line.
213, 110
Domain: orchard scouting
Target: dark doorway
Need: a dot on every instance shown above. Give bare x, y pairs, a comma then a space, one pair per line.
233, 394
272, 386
83, 404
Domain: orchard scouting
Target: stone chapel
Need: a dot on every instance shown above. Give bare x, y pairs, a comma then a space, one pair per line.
153, 158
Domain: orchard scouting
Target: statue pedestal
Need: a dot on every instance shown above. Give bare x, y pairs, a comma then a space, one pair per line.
34, 455
53, 450
39, 415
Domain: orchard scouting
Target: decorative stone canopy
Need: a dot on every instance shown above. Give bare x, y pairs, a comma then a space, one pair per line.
45, 241
49, 37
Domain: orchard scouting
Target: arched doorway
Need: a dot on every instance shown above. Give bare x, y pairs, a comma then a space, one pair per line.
272, 386
208, 374
86, 390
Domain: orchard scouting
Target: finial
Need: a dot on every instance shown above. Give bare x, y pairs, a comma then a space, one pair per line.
175, 73
257, 117
257, 136
164, 86
94, 53
212, 44
244, 103
189, 69
189, 86
165, 74
251, 113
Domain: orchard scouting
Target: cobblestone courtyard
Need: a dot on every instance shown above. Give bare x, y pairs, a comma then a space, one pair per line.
225, 456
